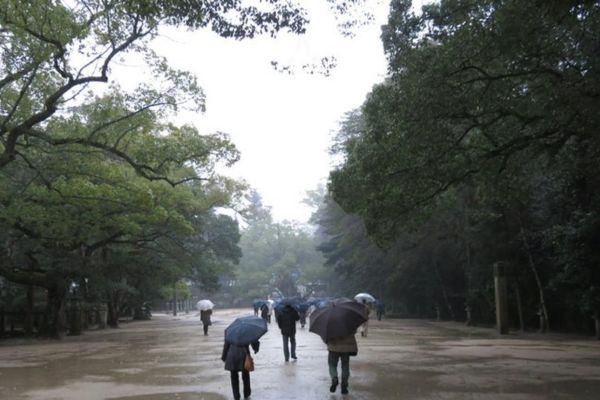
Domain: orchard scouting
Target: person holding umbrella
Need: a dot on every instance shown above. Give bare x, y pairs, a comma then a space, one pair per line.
336, 323
286, 319
340, 348
205, 318
240, 335
205, 307
367, 300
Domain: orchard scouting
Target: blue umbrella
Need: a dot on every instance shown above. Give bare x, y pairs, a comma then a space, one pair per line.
245, 330
292, 301
258, 303
311, 301
302, 307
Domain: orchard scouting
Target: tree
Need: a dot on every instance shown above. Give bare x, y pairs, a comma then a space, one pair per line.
52, 52
78, 214
275, 255
470, 91
493, 125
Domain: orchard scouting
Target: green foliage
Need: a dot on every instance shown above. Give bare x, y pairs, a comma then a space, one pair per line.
275, 256
183, 291
482, 146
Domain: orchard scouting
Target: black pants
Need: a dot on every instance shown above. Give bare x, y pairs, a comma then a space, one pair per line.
205, 327
332, 360
235, 383
292, 347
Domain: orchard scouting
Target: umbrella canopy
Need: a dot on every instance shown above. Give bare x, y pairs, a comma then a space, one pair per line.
204, 305
245, 330
337, 319
291, 301
325, 302
364, 298
258, 303
302, 307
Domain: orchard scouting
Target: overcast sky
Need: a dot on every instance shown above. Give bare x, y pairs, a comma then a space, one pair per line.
281, 123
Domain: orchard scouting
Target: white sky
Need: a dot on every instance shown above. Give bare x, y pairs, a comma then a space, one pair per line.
281, 123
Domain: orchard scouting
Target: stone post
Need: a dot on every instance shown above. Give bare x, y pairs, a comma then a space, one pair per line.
501, 295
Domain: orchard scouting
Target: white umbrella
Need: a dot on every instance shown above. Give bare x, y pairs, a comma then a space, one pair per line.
205, 304
364, 298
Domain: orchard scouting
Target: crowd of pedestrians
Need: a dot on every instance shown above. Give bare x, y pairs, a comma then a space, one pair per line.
238, 360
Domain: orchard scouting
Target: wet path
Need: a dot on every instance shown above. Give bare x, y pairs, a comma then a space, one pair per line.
169, 358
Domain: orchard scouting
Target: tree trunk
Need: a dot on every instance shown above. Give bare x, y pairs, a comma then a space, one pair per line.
55, 323
112, 318
519, 308
444, 293
175, 299
545, 321
29, 311
469, 259
597, 324
75, 317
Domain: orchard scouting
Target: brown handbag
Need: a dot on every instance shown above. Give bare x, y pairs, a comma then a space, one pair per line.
248, 363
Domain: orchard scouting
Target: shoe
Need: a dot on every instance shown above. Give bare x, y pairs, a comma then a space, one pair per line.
294, 357
344, 389
334, 383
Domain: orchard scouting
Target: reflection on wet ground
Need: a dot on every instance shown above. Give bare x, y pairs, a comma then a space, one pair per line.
169, 358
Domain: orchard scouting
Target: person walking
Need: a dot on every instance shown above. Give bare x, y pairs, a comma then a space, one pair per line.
379, 308
264, 312
286, 319
205, 318
271, 307
364, 330
302, 314
340, 349
234, 357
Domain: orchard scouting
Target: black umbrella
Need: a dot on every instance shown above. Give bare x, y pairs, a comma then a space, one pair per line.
245, 330
337, 319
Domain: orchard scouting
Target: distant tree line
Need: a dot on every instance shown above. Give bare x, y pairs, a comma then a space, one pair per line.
277, 257
481, 146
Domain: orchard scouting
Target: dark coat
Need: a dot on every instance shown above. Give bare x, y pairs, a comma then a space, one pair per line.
205, 316
233, 356
345, 344
264, 311
286, 319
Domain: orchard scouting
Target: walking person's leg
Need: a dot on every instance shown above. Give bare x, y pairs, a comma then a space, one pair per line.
293, 346
246, 380
345, 371
235, 384
286, 351
332, 362
205, 326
